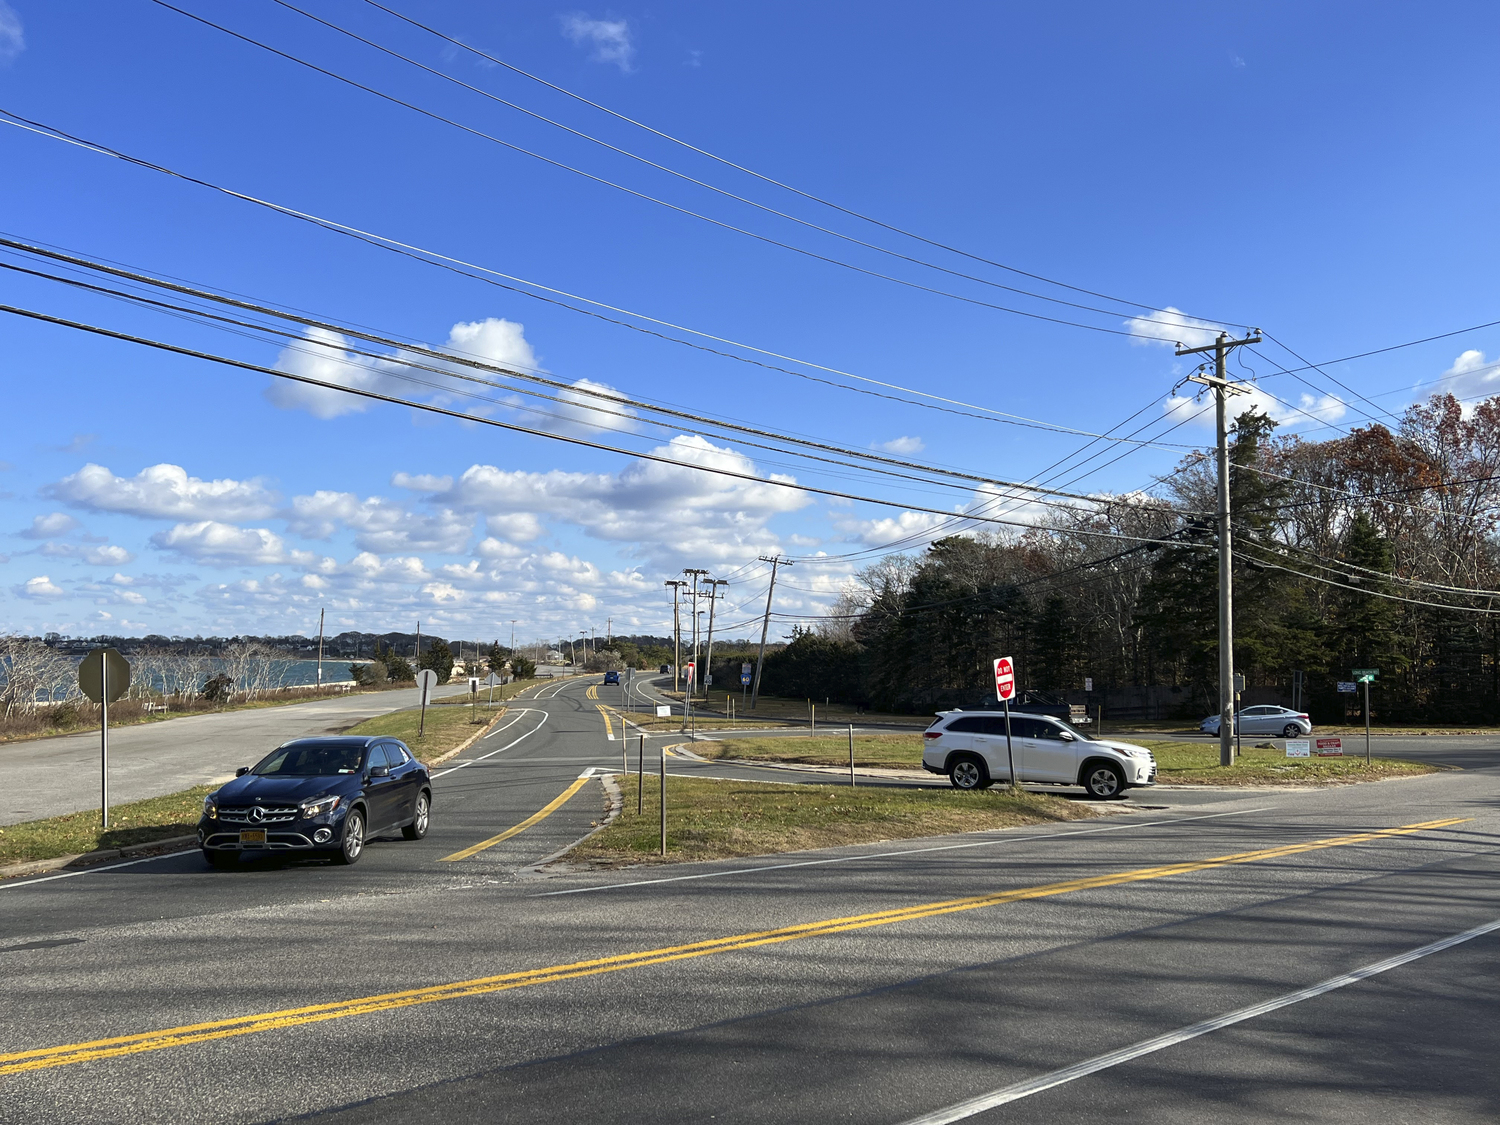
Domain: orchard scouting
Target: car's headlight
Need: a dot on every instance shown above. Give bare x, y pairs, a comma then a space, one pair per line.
321, 807
210, 809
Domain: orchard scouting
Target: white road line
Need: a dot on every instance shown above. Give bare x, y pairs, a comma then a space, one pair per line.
27, 882
519, 712
904, 851
1025, 1089
503, 749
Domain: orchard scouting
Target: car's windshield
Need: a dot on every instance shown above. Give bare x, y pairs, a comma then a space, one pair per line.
315, 759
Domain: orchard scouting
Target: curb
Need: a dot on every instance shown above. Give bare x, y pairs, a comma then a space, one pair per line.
616, 806
473, 738
88, 859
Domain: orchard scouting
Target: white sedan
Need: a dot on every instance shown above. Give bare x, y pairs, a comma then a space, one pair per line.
1281, 721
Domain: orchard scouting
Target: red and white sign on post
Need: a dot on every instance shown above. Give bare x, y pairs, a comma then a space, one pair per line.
1005, 679
1329, 747
689, 675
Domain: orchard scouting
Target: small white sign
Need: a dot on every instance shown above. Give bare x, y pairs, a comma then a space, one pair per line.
663, 711
1298, 748
1088, 683
473, 684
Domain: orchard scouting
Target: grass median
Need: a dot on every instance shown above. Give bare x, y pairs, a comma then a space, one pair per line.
709, 819
1178, 763
446, 727
136, 822
1197, 763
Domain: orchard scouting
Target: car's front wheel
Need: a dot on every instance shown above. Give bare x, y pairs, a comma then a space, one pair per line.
1104, 780
221, 859
1291, 730
418, 826
352, 846
967, 772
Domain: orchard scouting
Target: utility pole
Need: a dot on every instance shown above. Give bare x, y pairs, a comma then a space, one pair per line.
609, 630
320, 648
713, 597
696, 573
765, 625
513, 621
677, 584
418, 661
1223, 389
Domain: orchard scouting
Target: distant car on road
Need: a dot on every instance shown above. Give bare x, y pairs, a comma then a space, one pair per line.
318, 796
969, 746
1281, 721
611, 677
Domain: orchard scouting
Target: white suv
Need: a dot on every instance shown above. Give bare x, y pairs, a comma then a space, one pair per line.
969, 746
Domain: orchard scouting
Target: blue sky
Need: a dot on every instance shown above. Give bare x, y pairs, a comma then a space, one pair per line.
1323, 171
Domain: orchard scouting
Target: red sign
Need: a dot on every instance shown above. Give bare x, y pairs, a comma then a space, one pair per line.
689, 674
1005, 679
1329, 747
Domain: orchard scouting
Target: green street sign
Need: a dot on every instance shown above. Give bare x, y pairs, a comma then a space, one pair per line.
1364, 674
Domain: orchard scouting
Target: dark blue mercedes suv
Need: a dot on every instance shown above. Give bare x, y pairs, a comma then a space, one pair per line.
318, 796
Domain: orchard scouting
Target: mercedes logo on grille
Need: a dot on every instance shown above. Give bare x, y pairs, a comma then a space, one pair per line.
257, 814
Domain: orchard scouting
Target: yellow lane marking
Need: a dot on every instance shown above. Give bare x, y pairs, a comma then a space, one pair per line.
540, 815
45, 1058
609, 727
593, 692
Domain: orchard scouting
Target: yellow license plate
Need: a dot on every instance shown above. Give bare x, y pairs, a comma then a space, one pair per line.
253, 836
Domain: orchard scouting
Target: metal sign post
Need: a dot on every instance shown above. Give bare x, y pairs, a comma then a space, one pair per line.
491, 681
663, 798
426, 681
104, 676
1005, 689
1366, 676
851, 755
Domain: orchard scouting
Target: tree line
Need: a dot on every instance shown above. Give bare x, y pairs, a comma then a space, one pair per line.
1374, 549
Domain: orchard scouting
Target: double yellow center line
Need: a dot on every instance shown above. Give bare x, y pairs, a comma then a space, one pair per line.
45, 1058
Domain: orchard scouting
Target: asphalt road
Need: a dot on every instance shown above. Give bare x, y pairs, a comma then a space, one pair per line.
864, 984
52, 776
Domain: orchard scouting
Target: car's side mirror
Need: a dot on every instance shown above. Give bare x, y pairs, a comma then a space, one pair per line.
1067, 737
242, 771
379, 771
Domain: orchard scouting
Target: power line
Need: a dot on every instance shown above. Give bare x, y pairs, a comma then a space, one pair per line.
760, 176
494, 422
340, 29
614, 399
463, 268
471, 130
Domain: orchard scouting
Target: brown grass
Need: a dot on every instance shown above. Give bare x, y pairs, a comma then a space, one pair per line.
709, 819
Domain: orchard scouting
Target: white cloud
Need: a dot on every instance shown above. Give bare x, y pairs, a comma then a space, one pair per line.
164, 492
1172, 326
609, 38
1471, 376
325, 356
211, 541
40, 588
421, 482
12, 36
583, 411
668, 511
320, 355
107, 556
96, 556
903, 445
50, 526
383, 526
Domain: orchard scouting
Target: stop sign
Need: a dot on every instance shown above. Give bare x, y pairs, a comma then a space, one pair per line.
1005, 678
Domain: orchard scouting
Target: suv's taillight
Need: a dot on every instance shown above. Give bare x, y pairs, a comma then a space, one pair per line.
932, 734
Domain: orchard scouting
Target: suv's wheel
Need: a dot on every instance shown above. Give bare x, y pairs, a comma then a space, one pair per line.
967, 772
352, 846
418, 826
1103, 780
221, 859
1291, 730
